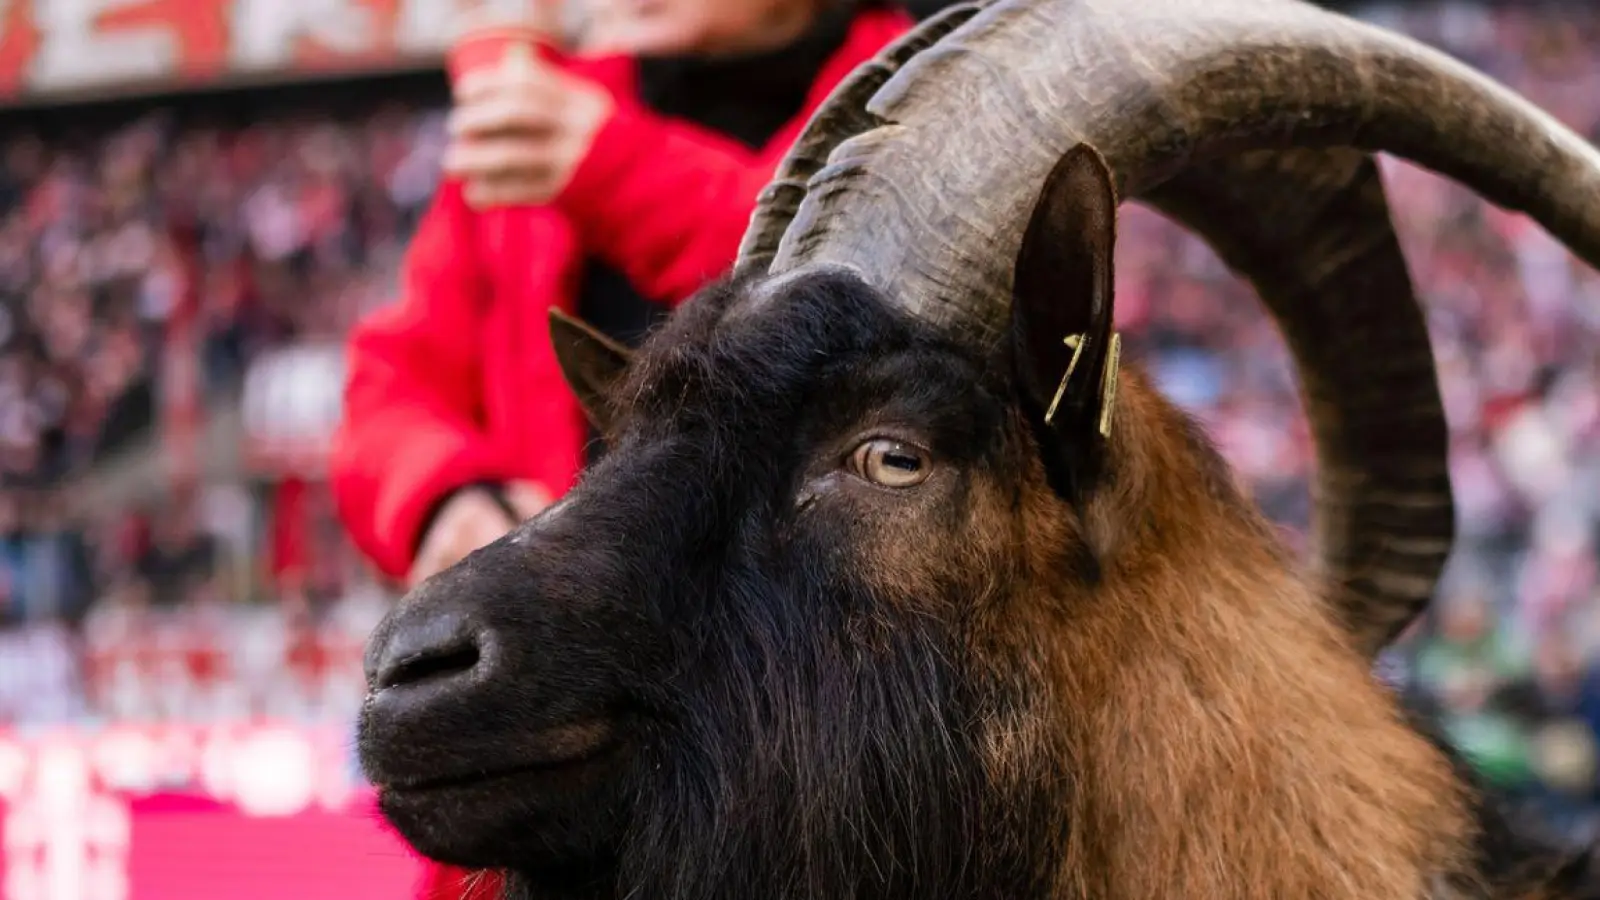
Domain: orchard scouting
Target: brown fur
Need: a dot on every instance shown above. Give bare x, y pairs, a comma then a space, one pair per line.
1225, 740
1005, 682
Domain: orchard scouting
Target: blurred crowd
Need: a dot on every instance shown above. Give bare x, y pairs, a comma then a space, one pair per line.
290, 226
113, 243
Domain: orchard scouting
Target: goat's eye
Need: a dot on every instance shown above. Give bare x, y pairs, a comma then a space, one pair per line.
890, 463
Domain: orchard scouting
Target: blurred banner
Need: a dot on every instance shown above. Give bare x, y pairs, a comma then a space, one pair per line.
247, 812
52, 49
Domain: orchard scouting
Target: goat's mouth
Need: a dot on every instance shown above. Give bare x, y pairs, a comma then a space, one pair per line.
562, 751
546, 797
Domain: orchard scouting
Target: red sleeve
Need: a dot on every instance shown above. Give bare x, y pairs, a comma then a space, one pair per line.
669, 202
413, 394
665, 201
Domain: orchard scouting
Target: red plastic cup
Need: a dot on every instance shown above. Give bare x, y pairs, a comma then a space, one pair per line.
502, 43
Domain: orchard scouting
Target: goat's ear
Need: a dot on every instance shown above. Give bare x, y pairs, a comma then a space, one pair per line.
591, 362
1061, 310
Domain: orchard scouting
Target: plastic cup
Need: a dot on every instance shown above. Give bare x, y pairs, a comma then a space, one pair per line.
514, 42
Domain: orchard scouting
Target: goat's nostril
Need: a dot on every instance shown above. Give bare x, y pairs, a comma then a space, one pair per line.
434, 647
437, 662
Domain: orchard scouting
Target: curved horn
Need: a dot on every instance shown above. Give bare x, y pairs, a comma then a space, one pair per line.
1310, 229
1167, 90
842, 115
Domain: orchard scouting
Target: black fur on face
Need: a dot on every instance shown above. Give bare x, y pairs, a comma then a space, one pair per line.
781, 651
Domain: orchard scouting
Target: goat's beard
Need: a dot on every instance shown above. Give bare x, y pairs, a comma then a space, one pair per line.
815, 766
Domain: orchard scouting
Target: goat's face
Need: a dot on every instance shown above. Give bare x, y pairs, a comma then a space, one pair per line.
760, 618
789, 630
854, 609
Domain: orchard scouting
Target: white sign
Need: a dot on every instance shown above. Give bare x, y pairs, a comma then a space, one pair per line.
52, 46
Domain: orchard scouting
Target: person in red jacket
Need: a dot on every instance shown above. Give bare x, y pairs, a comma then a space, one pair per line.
594, 186
613, 186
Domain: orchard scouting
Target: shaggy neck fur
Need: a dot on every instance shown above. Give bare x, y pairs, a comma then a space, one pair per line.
1185, 723
1192, 726
1233, 746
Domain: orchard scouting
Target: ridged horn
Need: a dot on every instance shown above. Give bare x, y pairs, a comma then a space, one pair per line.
1310, 229
842, 115
1182, 97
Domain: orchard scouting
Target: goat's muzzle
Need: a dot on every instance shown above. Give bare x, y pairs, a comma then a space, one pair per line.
425, 656
493, 714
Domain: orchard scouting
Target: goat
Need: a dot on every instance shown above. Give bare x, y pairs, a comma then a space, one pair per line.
896, 583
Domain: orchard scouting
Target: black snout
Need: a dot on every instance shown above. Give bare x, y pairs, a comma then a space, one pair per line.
515, 698
424, 653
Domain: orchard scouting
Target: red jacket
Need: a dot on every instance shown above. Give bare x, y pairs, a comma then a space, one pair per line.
456, 383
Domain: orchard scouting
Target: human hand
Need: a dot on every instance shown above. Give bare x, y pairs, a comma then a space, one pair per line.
519, 131
471, 519
528, 498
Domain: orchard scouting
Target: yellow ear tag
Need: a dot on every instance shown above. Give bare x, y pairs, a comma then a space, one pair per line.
1075, 341
1108, 383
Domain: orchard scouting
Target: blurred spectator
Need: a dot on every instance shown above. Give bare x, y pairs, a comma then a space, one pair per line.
39, 674
1464, 664
180, 561
602, 185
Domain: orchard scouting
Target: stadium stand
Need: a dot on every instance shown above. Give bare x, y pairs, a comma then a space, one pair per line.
293, 226
157, 258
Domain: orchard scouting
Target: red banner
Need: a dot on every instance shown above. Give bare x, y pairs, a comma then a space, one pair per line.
57, 47
193, 813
